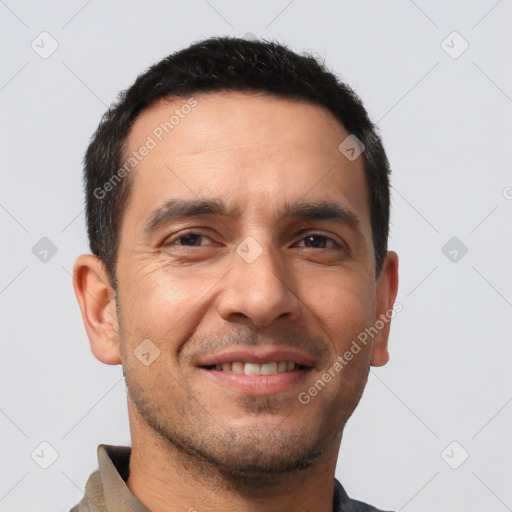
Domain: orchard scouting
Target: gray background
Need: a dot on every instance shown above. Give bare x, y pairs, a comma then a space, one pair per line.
446, 122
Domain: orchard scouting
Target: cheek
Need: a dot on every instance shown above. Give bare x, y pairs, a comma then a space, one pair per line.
163, 302
342, 303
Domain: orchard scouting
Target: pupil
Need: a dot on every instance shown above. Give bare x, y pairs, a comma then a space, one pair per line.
317, 238
190, 239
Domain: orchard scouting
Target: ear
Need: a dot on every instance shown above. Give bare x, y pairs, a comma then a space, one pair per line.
387, 287
97, 300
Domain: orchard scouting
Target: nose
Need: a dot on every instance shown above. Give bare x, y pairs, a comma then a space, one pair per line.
256, 288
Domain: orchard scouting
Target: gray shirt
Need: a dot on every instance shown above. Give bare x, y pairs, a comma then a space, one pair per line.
106, 489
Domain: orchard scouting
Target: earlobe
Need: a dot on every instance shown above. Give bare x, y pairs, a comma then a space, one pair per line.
387, 288
97, 302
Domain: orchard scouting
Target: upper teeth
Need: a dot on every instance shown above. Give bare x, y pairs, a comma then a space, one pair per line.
255, 368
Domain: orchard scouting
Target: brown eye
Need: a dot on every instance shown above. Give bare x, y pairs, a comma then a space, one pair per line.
317, 241
188, 240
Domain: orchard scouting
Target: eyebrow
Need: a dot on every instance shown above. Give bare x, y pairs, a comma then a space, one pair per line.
178, 209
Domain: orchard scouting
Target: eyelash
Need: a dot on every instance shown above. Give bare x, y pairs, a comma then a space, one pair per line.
172, 240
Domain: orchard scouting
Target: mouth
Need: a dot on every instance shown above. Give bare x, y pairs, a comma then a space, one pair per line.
248, 378
256, 369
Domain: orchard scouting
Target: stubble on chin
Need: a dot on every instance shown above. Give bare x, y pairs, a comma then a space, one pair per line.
245, 458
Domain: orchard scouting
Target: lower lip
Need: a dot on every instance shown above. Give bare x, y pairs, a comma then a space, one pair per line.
258, 384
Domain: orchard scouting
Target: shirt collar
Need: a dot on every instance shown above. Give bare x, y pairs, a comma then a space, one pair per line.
106, 488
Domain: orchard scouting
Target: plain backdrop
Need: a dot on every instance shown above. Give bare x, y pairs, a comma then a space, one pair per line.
433, 429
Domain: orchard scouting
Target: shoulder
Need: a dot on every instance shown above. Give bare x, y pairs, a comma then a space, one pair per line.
342, 503
359, 506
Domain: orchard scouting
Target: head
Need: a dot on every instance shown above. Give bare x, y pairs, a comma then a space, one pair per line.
223, 216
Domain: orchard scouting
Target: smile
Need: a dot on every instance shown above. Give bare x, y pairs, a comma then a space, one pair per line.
246, 368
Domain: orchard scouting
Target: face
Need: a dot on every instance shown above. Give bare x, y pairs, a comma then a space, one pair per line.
246, 259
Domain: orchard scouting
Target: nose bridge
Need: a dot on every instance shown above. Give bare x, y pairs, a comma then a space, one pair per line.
258, 259
257, 287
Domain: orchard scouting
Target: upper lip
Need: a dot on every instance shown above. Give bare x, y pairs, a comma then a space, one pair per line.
258, 355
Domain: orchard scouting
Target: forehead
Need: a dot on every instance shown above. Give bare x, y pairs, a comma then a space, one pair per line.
225, 118
252, 147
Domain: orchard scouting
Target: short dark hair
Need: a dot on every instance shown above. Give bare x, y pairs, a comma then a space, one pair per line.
223, 64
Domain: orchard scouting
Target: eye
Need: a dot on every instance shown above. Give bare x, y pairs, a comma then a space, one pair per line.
319, 241
187, 240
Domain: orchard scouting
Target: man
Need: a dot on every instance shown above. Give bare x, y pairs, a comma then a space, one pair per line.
238, 211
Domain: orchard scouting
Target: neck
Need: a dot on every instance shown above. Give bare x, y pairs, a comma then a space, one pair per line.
165, 479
